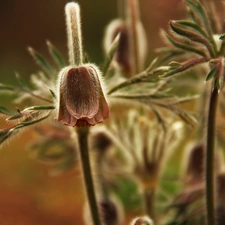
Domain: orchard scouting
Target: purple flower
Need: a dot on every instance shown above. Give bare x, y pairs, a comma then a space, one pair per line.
81, 99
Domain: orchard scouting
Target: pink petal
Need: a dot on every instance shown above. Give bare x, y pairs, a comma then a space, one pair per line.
103, 111
63, 114
81, 93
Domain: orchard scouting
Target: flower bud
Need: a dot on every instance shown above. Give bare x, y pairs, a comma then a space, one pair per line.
111, 211
81, 100
101, 141
195, 164
123, 54
145, 220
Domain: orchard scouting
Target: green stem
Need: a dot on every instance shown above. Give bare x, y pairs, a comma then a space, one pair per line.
88, 180
209, 168
202, 105
149, 201
134, 19
121, 4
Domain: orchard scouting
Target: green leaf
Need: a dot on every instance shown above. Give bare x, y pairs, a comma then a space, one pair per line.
192, 25
5, 134
152, 64
41, 61
110, 55
185, 66
186, 116
192, 36
40, 107
143, 96
169, 54
184, 100
181, 45
53, 94
21, 82
56, 55
222, 36
198, 8
28, 123
6, 88
6, 111
211, 73
15, 117
193, 16
141, 77
175, 64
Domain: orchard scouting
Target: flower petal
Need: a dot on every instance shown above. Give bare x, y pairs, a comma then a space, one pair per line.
63, 114
82, 100
103, 111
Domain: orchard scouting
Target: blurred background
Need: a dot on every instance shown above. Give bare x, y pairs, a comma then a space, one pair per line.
28, 195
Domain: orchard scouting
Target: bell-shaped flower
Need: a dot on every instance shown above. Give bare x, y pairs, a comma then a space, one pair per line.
81, 100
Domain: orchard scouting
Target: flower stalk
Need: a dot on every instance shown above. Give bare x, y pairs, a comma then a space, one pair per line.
149, 201
210, 158
74, 35
86, 167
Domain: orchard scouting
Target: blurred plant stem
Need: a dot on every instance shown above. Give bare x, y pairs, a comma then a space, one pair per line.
149, 201
100, 171
86, 167
210, 158
121, 4
134, 19
202, 111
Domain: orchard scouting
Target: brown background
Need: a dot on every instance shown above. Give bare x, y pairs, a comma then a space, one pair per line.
28, 195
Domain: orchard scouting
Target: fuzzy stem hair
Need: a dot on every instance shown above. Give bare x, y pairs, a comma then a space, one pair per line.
74, 36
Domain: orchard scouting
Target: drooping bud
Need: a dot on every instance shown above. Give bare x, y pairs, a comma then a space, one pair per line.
195, 164
123, 53
132, 48
137, 34
101, 141
81, 99
145, 220
111, 210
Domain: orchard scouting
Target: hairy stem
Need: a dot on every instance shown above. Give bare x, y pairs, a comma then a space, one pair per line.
210, 152
121, 9
202, 108
133, 15
74, 36
88, 180
149, 201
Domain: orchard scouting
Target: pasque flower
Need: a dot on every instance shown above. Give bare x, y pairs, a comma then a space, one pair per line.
81, 98
81, 101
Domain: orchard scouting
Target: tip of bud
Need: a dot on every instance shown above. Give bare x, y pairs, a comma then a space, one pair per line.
144, 220
30, 50
71, 5
49, 44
